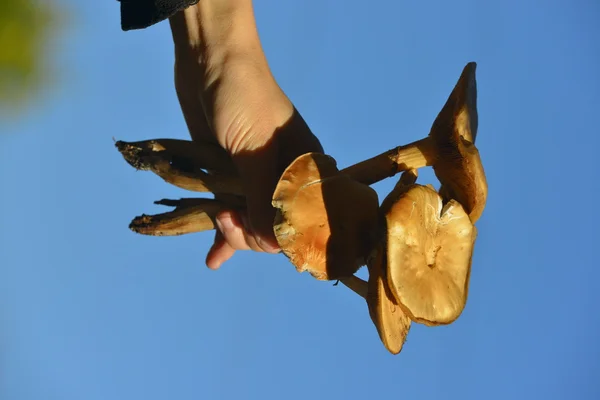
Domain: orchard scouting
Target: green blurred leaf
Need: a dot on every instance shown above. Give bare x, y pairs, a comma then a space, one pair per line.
26, 26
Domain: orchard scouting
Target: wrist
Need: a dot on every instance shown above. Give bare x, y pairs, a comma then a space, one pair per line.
214, 32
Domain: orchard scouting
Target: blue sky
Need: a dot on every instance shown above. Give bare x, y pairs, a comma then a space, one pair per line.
90, 310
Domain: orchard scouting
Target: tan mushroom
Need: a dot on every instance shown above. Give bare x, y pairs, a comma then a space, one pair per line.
391, 321
205, 155
189, 216
429, 252
449, 149
198, 167
458, 166
325, 221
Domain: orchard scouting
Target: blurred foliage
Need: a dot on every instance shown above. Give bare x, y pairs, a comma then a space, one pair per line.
26, 26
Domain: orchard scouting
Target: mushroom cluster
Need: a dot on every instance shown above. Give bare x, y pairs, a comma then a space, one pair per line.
417, 245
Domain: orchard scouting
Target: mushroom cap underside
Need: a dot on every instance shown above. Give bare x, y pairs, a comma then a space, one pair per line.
429, 251
391, 321
458, 117
325, 221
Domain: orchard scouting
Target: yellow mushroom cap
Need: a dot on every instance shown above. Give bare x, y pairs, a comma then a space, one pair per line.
458, 166
464, 180
325, 221
391, 321
429, 252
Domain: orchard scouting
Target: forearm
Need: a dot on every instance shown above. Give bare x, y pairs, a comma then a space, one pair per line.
209, 37
212, 33
188, 78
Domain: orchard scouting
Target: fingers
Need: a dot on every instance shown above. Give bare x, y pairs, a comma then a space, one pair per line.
233, 233
237, 232
232, 230
220, 252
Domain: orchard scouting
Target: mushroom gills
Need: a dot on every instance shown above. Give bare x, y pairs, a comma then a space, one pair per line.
325, 221
389, 318
429, 252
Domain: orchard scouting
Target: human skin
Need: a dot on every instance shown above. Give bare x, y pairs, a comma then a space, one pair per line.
228, 95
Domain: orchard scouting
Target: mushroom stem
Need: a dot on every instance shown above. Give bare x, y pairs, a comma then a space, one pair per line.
229, 201
196, 181
415, 155
189, 216
203, 155
182, 164
357, 285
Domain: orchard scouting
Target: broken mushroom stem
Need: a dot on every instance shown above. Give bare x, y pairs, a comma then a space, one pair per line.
189, 216
204, 155
198, 168
415, 155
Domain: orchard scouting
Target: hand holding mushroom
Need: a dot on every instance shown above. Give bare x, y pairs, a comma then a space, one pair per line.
418, 244
246, 131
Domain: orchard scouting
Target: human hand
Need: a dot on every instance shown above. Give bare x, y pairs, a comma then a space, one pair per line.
228, 94
260, 166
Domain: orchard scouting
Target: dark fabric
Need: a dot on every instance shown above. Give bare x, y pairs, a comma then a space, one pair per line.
140, 14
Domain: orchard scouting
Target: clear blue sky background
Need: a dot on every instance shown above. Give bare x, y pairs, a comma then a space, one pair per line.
89, 310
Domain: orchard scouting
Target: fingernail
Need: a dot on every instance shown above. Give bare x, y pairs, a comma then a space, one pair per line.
210, 261
213, 264
224, 223
267, 246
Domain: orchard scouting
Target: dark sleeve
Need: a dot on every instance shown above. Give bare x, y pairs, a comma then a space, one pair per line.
140, 14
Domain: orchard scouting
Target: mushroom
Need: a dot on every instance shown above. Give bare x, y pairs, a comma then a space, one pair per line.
449, 149
204, 154
391, 321
190, 216
325, 221
429, 252
198, 167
